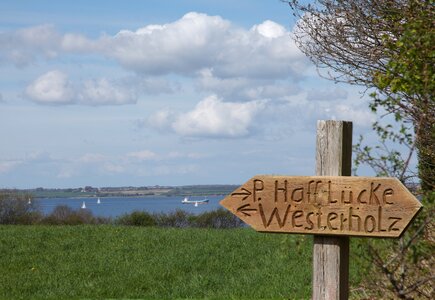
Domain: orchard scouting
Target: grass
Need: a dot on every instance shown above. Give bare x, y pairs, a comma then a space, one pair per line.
64, 262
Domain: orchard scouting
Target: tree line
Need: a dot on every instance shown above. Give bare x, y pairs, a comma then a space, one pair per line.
387, 48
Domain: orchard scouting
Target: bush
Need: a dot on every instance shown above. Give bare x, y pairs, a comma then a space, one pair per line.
178, 218
181, 219
16, 209
137, 218
65, 215
219, 218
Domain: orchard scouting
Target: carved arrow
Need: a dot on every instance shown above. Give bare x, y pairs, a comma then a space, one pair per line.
244, 209
245, 193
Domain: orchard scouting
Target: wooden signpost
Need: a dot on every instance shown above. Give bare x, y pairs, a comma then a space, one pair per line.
326, 205
332, 206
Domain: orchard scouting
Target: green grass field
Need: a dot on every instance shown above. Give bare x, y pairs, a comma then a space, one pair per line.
64, 262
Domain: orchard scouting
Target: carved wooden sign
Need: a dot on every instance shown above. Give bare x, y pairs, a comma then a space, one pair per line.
327, 205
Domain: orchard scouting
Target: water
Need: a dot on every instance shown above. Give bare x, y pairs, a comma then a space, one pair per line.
116, 206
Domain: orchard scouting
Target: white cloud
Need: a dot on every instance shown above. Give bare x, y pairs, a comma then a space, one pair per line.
7, 166
73, 42
361, 116
270, 29
53, 87
185, 46
242, 64
245, 89
161, 120
32, 158
326, 94
114, 168
341, 104
42, 36
233, 63
67, 172
155, 85
93, 166
191, 155
142, 155
212, 118
102, 91
165, 170
92, 158
337, 103
21, 47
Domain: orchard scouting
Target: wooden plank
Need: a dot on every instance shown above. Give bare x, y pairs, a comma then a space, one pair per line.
324, 205
334, 148
331, 254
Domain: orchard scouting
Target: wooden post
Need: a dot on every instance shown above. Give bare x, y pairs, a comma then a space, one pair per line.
378, 207
331, 253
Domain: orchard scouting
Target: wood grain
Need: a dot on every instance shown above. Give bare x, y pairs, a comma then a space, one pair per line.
331, 254
324, 205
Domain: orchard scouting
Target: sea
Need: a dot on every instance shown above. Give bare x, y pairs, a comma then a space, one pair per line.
117, 206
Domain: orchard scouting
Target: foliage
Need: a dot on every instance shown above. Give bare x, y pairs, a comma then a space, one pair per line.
407, 87
137, 218
402, 268
383, 157
177, 219
387, 47
64, 215
218, 219
408, 263
16, 209
406, 90
344, 38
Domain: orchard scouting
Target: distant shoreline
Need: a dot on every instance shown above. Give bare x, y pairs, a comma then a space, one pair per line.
128, 196
89, 192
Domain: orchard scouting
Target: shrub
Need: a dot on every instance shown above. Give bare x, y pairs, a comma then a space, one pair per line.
65, 215
181, 219
60, 214
16, 209
219, 218
137, 218
178, 218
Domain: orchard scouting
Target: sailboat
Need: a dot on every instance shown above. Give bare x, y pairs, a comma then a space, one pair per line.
194, 202
30, 201
83, 205
98, 201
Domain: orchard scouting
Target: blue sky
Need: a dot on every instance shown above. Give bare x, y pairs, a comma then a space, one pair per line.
114, 93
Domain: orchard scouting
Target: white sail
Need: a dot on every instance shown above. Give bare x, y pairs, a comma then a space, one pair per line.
98, 201
194, 202
83, 205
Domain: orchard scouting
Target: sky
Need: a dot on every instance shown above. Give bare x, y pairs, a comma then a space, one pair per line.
159, 92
